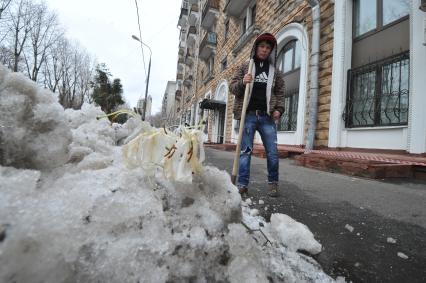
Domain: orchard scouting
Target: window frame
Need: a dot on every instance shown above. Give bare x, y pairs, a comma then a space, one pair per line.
226, 31
292, 98
224, 63
379, 21
377, 68
244, 25
293, 58
253, 14
247, 21
210, 66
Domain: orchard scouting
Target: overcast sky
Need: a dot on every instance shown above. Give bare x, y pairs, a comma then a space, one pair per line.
105, 27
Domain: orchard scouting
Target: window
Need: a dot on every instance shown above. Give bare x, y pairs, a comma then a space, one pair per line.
289, 57
210, 66
249, 18
394, 10
253, 15
226, 32
378, 93
365, 16
288, 120
289, 61
224, 63
372, 15
244, 25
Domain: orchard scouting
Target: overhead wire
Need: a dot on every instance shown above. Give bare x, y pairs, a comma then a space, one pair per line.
140, 37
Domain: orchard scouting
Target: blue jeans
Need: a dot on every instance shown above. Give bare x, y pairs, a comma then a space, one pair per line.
268, 132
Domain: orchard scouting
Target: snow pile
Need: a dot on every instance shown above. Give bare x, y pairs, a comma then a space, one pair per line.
282, 230
33, 131
77, 213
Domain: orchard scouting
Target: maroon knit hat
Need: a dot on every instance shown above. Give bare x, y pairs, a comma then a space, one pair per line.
268, 37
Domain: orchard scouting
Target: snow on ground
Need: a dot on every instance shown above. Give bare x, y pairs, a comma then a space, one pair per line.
72, 211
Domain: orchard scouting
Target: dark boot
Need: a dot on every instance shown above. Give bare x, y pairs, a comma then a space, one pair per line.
243, 191
273, 190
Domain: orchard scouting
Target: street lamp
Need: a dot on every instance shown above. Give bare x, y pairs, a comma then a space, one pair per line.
147, 80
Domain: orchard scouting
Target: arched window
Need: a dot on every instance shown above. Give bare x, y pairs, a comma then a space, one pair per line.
289, 57
289, 60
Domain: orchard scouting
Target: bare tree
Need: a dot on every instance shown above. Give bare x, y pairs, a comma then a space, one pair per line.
6, 56
20, 16
32, 41
4, 4
65, 58
85, 75
52, 67
44, 32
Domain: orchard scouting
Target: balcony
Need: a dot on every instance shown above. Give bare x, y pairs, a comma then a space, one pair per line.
180, 67
210, 13
235, 8
181, 51
188, 81
193, 14
179, 71
181, 60
245, 38
208, 46
182, 37
183, 17
178, 95
192, 35
189, 60
179, 77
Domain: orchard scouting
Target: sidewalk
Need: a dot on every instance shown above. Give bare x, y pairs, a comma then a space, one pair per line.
349, 162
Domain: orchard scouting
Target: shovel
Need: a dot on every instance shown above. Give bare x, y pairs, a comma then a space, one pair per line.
240, 131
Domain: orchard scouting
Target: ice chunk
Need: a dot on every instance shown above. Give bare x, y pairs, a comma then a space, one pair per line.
293, 234
402, 255
349, 228
254, 212
391, 240
261, 202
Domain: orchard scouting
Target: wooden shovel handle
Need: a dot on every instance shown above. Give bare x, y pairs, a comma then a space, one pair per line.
241, 129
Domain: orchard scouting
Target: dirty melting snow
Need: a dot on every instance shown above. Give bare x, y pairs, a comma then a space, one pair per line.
72, 211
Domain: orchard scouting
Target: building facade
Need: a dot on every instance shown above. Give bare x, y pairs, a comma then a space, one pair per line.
371, 73
168, 104
379, 76
140, 106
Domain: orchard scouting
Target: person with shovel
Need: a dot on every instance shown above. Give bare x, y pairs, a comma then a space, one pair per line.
265, 101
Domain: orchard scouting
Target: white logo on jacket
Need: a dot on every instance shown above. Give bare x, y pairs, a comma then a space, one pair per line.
261, 78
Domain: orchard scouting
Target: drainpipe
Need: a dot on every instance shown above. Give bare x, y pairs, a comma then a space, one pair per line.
313, 104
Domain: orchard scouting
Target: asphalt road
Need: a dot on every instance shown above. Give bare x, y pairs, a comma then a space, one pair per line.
327, 202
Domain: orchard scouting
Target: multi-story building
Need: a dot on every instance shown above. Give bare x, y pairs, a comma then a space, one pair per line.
167, 110
371, 72
140, 106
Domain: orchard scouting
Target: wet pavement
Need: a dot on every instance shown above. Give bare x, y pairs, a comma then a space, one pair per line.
327, 202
